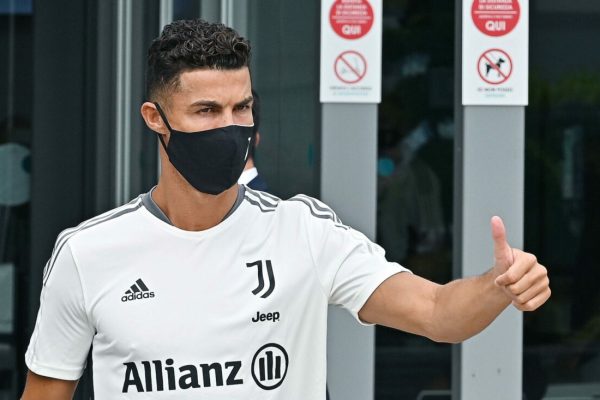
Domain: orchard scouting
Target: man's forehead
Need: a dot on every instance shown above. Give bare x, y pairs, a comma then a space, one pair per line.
215, 77
214, 85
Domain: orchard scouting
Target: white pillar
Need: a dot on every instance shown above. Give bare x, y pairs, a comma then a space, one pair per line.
348, 185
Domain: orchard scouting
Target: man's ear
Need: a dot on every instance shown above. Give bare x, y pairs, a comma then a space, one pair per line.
153, 119
257, 139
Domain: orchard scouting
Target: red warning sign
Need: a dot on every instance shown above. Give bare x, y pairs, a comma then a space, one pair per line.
350, 67
495, 66
496, 17
351, 19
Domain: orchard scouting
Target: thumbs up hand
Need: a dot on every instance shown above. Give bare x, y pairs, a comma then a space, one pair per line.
522, 278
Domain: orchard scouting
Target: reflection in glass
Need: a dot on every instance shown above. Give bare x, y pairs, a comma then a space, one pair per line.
562, 225
284, 36
15, 178
415, 173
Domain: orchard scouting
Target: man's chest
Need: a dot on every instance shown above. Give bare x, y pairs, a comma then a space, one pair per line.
201, 321
197, 294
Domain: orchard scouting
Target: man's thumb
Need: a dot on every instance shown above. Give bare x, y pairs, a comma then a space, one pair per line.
502, 251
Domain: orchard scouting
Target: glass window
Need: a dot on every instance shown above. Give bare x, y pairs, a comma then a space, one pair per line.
562, 190
284, 36
415, 181
285, 70
62, 134
16, 72
73, 149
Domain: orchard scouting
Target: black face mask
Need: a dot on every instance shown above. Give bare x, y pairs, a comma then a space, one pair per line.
212, 160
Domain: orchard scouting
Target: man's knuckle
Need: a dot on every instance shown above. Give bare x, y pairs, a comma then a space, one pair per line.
532, 258
530, 305
517, 252
511, 277
539, 274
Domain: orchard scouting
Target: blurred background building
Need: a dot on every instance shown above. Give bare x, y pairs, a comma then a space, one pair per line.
72, 145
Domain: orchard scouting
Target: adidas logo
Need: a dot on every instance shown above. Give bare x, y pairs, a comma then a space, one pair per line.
138, 291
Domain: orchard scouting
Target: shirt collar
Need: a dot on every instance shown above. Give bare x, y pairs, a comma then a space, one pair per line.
247, 176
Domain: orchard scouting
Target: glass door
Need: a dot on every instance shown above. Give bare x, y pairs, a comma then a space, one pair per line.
284, 36
16, 31
562, 191
415, 182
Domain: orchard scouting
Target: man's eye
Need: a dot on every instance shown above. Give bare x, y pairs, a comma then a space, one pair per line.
243, 108
205, 110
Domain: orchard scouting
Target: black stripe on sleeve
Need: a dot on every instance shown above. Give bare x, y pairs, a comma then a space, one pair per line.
269, 195
323, 208
258, 204
67, 233
313, 211
263, 199
108, 218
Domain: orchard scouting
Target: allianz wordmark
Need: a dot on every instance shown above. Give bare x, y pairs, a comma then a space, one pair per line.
269, 368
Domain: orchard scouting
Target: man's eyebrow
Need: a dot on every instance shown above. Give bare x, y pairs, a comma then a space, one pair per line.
206, 103
245, 102
214, 104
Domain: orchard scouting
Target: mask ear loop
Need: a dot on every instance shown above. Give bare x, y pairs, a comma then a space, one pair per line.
166, 121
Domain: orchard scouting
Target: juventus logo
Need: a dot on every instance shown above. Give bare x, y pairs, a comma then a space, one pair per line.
261, 278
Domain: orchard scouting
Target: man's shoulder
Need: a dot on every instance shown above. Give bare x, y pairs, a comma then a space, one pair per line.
314, 209
103, 220
300, 206
80, 234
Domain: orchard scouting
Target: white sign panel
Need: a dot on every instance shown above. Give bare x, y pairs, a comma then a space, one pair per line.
351, 51
495, 62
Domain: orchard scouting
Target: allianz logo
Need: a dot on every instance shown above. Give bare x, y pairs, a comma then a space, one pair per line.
157, 377
268, 369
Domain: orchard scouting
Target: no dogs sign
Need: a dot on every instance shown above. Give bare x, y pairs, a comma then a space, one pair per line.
495, 60
495, 66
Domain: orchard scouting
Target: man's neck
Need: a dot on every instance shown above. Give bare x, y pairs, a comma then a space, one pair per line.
249, 164
189, 209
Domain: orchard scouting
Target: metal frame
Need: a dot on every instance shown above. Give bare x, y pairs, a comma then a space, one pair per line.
165, 16
166, 13
123, 103
227, 12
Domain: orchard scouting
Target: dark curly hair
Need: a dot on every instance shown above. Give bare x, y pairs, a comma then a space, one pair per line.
190, 44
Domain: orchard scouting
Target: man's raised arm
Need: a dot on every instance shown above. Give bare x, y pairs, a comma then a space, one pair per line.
462, 308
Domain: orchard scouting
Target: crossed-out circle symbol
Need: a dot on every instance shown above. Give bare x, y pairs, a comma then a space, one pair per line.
494, 66
350, 66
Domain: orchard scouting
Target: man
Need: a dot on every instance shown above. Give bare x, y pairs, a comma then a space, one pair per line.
203, 288
250, 176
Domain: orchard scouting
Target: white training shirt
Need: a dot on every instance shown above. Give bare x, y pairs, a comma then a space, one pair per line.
237, 311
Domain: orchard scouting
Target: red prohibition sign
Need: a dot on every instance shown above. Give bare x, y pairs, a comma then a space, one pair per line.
351, 19
494, 66
496, 17
350, 66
